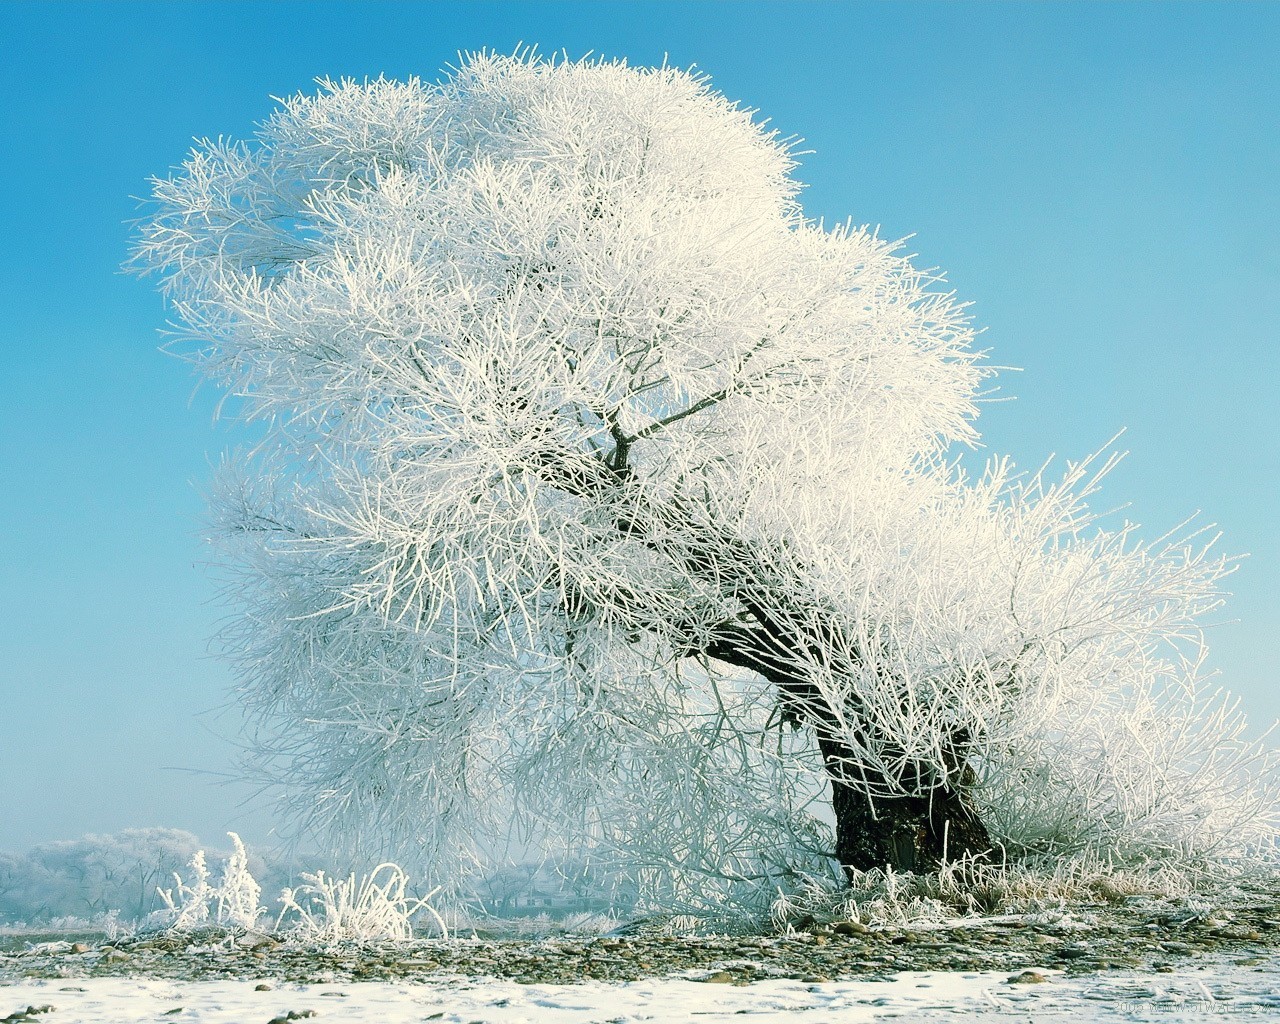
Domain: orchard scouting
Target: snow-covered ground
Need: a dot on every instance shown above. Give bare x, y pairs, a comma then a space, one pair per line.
1195, 991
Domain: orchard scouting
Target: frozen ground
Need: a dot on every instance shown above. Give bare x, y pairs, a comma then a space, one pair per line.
1196, 990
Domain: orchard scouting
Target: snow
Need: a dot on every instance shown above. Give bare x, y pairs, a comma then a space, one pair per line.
1195, 990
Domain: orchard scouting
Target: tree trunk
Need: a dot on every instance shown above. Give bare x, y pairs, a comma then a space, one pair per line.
911, 832
906, 833
914, 832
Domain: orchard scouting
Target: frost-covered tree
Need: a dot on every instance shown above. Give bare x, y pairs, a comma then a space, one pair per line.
91, 876
600, 491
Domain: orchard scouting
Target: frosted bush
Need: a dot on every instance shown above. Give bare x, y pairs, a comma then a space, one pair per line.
587, 922
238, 894
191, 908
374, 907
234, 901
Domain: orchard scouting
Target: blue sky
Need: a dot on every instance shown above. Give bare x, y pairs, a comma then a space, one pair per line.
1099, 180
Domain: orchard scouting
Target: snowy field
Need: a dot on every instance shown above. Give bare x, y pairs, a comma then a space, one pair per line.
1195, 990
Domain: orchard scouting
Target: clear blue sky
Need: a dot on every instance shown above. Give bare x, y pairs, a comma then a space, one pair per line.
1100, 180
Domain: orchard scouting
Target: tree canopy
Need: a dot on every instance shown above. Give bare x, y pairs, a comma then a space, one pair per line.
603, 494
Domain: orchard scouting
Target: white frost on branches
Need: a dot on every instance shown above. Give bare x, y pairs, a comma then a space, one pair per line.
553, 370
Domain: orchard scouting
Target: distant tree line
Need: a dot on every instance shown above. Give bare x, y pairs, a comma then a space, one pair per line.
98, 875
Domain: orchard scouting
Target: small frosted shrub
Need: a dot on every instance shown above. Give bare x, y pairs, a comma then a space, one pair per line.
190, 908
588, 923
376, 907
238, 895
234, 901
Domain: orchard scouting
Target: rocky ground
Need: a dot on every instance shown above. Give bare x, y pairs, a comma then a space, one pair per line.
1134, 933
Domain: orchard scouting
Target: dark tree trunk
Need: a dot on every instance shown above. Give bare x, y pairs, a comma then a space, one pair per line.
909, 832
906, 833
908, 827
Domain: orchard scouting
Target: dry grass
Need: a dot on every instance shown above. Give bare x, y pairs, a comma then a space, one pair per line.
971, 889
